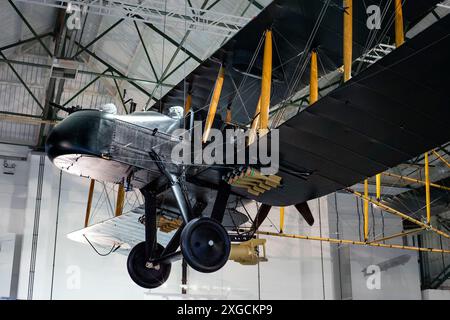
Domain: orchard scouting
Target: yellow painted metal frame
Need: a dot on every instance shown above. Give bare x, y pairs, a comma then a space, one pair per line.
378, 185
314, 79
441, 158
352, 242
228, 117
187, 106
397, 235
281, 219
434, 185
255, 123
398, 213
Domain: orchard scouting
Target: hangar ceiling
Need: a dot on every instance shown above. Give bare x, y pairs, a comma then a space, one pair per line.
137, 53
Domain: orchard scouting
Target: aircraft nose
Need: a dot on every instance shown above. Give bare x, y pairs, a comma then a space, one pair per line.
86, 132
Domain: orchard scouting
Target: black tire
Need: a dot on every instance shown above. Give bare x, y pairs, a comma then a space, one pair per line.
205, 245
143, 276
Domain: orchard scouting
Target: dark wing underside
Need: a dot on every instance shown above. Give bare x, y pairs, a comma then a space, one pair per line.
391, 112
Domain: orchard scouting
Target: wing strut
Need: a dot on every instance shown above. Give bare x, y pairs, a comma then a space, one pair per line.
266, 81
89, 203
214, 102
348, 39
313, 81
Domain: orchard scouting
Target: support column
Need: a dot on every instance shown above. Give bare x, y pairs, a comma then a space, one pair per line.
348, 39
214, 102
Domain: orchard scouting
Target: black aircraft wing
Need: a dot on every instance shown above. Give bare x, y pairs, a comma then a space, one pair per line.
391, 112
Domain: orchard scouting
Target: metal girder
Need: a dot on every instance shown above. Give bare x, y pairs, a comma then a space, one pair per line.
174, 42
100, 36
157, 12
166, 74
19, 43
84, 89
106, 64
256, 4
30, 27
120, 95
25, 118
92, 73
22, 81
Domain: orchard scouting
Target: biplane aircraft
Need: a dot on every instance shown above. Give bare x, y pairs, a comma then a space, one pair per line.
387, 113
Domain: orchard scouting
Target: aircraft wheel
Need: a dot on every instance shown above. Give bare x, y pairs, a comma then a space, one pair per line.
143, 276
205, 245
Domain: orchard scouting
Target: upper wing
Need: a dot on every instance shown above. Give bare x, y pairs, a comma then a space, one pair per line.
389, 113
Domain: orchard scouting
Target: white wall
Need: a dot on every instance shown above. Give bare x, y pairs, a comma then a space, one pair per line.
297, 269
436, 294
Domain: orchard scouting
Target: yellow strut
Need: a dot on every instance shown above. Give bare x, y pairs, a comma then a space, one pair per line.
266, 81
398, 213
441, 158
399, 33
255, 123
348, 39
434, 185
366, 210
120, 200
397, 235
228, 118
427, 188
352, 242
187, 106
313, 81
214, 102
378, 185
281, 219
89, 203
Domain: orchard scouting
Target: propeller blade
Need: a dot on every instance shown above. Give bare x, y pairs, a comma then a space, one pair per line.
261, 215
304, 210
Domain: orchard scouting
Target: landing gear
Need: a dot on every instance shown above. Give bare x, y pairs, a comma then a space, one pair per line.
144, 273
204, 242
205, 245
